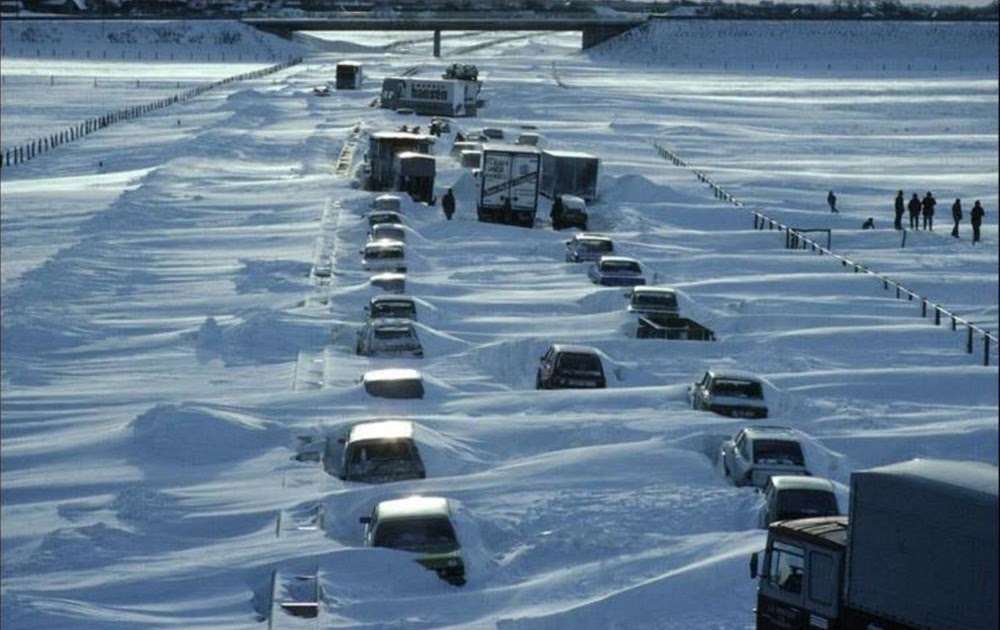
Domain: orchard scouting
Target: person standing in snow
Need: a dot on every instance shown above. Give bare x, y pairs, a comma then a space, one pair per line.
448, 204
869, 224
831, 199
956, 215
900, 209
927, 209
556, 213
976, 218
914, 208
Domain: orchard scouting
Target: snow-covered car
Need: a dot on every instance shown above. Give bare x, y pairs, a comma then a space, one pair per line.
380, 452
387, 203
393, 383
387, 232
730, 393
384, 256
587, 247
389, 337
573, 214
569, 366
422, 525
655, 301
788, 497
399, 306
389, 281
322, 90
383, 216
616, 271
757, 452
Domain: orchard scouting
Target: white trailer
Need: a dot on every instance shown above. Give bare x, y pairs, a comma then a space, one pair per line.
430, 97
508, 186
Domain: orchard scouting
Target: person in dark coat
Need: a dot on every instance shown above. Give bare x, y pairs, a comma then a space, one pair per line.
956, 216
900, 209
914, 208
556, 213
831, 199
869, 224
448, 204
927, 209
976, 218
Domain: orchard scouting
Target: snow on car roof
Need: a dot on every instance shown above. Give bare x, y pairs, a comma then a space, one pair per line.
800, 482
589, 236
381, 430
574, 348
412, 507
392, 374
736, 375
767, 431
649, 289
617, 259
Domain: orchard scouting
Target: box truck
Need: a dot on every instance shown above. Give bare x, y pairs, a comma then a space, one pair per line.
430, 97
917, 551
349, 75
569, 173
508, 184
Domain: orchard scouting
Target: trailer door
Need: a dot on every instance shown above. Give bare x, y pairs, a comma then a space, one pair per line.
524, 182
495, 188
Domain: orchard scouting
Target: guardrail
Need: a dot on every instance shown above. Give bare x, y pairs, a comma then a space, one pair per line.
30, 150
762, 222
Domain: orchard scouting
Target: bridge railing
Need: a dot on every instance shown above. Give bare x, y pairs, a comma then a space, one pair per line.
763, 222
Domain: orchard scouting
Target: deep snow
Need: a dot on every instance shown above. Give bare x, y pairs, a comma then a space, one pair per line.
166, 355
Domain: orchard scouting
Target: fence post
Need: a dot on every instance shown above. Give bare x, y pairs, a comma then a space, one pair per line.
954, 323
986, 349
968, 340
923, 308
937, 315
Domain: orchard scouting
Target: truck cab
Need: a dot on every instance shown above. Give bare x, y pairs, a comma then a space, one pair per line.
799, 575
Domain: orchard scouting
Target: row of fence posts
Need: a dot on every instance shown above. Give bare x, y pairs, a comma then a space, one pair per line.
29, 150
797, 238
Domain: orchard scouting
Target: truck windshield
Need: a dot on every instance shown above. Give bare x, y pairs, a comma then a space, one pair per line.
786, 567
777, 452
417, 534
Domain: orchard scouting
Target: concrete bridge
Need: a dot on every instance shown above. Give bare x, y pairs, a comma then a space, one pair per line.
594, 29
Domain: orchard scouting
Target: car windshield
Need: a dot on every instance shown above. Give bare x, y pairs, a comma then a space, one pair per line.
620, 266
596, 246
417, 534
663, 300
394, 309
381, 451
580, 362
777, 452
737, 388
806, 504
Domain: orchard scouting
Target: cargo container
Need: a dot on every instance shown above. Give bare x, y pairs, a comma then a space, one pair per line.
569, 173
508, 184
383, 146
349, 75
414, 174
429, 97
918, 552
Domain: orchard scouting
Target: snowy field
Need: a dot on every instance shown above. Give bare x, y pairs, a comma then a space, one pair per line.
166, 355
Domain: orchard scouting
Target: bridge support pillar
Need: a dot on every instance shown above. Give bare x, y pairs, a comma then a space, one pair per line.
437, 43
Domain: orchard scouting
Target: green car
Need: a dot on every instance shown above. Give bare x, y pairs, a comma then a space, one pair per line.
421, 525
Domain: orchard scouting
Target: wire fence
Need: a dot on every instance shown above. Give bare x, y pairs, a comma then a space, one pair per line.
797, 239
32, 149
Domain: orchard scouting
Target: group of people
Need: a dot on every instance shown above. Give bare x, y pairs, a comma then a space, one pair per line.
924, 208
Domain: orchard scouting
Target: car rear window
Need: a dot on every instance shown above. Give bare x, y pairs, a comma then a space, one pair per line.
620, 265
597, 246
737, 388
576, 361
806, 504
393, 334
665, 300
402, 388
782, 452
382, 253
394, 309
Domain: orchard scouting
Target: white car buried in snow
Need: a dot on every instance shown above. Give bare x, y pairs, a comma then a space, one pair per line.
616, 271
384, 256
